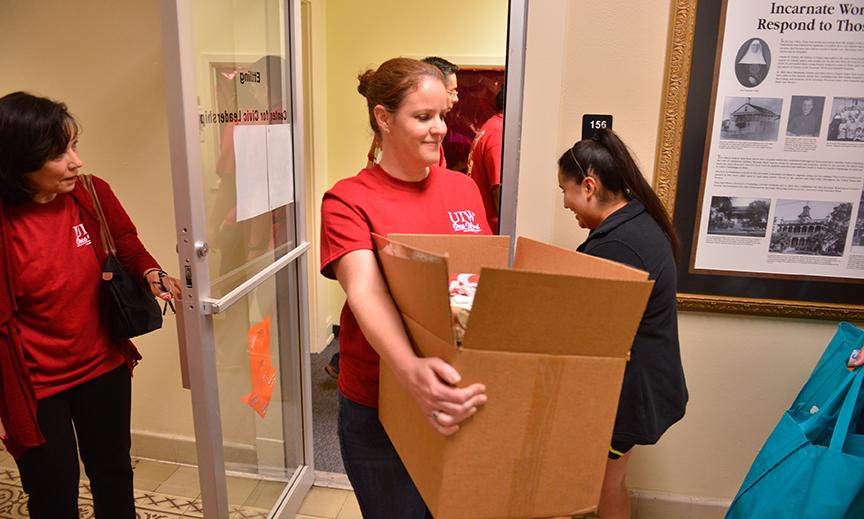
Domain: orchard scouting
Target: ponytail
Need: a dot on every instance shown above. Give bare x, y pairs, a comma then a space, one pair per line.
607, 158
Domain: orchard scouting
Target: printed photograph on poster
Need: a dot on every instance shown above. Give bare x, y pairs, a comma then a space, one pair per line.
810, 228
735, 216
805, 116
858, 234
751, 119
847, 119
752, 62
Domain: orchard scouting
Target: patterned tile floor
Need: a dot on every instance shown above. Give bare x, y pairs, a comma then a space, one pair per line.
320, 503
168, 491
162, 491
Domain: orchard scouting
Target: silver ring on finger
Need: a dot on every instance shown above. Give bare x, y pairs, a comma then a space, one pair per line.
435, 415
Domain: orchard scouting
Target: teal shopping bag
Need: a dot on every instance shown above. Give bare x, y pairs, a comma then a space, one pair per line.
811, 468
829, 371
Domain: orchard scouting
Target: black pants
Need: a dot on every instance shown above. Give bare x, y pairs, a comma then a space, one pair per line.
383, 487
99, 409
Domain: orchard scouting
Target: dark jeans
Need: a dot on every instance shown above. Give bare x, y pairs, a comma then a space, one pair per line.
99, 409
382, 485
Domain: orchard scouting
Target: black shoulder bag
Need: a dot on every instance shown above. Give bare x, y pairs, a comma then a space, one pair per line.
128, 309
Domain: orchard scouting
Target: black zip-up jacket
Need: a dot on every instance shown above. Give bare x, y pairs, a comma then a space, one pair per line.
654, 394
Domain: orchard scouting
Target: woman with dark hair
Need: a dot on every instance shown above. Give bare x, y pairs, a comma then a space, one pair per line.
406, 192
603, 187
66, 384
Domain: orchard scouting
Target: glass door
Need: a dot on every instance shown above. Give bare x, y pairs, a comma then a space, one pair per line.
235, 124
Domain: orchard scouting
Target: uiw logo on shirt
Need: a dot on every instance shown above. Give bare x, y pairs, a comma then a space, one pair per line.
82, 237
463, 221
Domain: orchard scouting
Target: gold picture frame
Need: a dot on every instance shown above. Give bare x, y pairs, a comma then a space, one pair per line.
733, 297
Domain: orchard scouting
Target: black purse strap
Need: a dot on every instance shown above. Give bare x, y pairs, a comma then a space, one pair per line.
104, 231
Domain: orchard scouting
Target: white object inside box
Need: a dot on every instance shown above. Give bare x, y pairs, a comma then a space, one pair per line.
462, 289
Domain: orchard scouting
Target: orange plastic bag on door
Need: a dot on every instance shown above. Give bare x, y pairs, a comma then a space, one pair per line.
262, 371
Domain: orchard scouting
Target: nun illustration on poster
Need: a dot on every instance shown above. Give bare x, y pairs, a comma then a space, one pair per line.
752, 62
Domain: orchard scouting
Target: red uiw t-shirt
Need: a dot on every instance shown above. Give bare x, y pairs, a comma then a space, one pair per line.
484, 163
58, 310
445, 202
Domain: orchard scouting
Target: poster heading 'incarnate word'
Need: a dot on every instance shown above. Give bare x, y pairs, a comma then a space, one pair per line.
841, 17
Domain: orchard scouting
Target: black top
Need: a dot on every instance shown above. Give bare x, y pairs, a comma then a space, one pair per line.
654, 394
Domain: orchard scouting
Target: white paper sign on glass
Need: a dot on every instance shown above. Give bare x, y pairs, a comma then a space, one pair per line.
264, 165
280, 165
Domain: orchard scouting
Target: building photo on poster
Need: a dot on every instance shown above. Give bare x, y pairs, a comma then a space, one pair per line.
782, 190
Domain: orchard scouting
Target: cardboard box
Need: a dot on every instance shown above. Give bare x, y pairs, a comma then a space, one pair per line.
549, 338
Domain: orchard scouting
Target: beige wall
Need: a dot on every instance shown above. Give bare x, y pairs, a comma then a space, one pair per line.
85, 54
361, 35
322, 316
742, 371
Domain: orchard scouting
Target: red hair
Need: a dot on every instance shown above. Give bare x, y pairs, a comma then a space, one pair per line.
391, 82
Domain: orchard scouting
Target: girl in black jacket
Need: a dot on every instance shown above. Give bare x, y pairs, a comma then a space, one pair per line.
603, 187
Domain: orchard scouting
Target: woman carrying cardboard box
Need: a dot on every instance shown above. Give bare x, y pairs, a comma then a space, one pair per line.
603, 187
406, 192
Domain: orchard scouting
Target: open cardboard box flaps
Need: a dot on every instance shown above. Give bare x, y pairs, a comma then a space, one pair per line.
548, 337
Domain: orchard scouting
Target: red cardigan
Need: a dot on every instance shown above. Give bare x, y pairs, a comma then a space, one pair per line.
17, 397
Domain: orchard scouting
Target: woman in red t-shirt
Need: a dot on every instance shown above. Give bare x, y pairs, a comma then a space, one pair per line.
66, 384
406, 192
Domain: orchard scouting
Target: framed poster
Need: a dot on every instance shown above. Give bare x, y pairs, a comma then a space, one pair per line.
760, 161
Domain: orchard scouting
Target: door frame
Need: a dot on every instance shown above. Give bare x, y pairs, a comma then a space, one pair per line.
195, 325
517, 28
